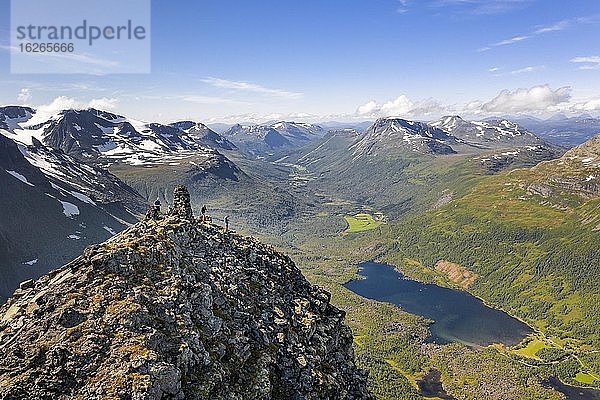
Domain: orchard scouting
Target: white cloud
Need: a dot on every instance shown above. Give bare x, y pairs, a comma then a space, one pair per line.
46, 111
482, 7
535, 99
558, 26
590, 62
250, 87
540, 30
494, 69
403, 7
528, 69
401, 106
590, 105
473, 107
368, 108
24, 96
103, 103
250, 118
515, 39
512, 40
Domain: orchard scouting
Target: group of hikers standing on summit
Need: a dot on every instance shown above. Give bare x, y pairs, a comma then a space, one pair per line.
154, 212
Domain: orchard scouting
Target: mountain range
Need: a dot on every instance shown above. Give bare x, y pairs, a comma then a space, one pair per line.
261, 140
561, 129
505, 204
235, 171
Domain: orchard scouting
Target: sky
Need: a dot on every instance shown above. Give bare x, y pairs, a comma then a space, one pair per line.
314, 60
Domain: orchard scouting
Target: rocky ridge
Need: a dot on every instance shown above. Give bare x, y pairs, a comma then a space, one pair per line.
176, 309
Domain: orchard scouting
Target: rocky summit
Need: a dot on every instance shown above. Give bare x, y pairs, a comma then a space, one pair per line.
174, 308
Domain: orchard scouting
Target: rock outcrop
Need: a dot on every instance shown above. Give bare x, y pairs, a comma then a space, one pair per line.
176, 309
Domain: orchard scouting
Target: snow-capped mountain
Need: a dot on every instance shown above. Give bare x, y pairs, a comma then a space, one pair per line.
256, 139
501, 143
98, 136
298, 131
388, 135
148, 156
490, 133
197, 132
563, 130
272, 138
99, 185
11, 116
53, 206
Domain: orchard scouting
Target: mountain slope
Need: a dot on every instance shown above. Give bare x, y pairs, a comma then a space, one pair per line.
199, 133
563, 130
53, 206
253, 202
488, 134
262, 140
95, 136
152, 158
501, 143
389, 136
176, 309
531, 235
11, 116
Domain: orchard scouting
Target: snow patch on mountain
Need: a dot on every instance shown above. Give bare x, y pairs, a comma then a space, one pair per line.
20, 177
82, 197
69, 209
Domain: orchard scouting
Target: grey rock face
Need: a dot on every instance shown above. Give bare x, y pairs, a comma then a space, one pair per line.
172, 309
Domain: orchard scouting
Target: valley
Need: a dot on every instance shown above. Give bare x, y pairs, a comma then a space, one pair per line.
485, 207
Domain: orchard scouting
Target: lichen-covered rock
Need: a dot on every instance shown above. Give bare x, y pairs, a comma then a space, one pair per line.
172, 309
181, 203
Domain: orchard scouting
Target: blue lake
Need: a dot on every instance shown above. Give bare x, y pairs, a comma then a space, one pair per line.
457, 315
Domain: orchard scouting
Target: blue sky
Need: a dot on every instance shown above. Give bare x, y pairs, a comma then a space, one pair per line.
244, 60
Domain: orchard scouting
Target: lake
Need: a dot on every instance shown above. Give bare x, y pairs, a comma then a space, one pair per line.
572, 392
457, 315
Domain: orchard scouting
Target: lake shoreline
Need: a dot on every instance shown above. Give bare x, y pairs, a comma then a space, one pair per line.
457, 315
397, 269
534, 330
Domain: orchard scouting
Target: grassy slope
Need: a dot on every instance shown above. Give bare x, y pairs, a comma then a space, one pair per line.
395, 361
537, 258
363, 222
389, 341
537, 261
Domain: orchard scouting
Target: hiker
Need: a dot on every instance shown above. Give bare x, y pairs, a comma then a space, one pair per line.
226, 221
203, 211
156, 209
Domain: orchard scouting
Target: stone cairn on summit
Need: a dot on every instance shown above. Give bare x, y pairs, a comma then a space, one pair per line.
181, 203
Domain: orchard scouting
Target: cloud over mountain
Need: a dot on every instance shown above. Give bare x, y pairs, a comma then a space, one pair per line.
536, 98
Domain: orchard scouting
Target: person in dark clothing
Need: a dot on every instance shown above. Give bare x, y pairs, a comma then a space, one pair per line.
226, 221
156, 209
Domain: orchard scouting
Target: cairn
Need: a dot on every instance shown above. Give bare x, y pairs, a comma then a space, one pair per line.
181, 203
